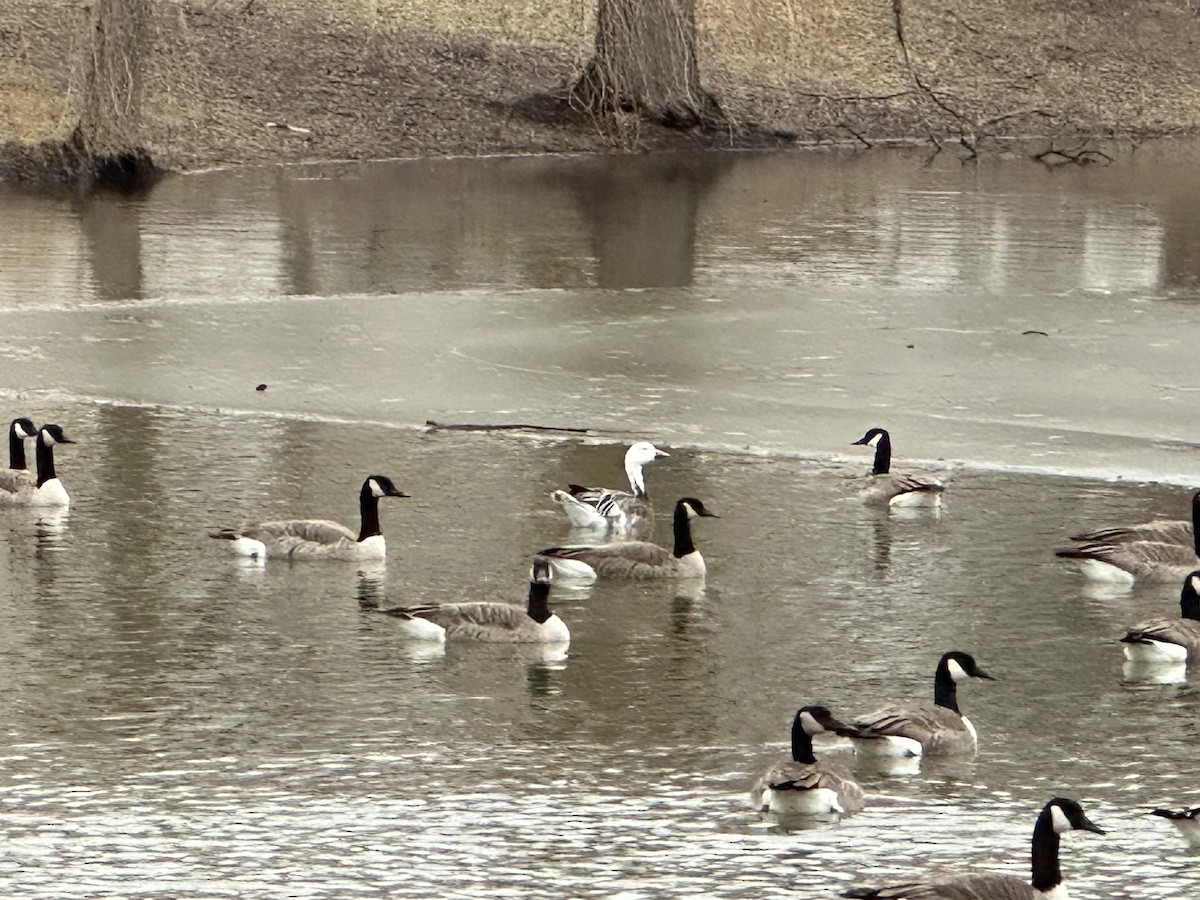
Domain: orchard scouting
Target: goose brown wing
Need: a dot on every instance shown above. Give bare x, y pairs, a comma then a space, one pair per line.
905, 483
920, 723
1185, 632
316, 531
468, 617
1151, 560
1164, 531
616, 554
13, 481
792, 775
974, 887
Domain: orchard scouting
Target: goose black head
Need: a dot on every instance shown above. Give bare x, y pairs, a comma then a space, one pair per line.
53, 434
23, 428
871, 435
816, 718
1067, 815
695, 507
962, 666
381, 486
541, 571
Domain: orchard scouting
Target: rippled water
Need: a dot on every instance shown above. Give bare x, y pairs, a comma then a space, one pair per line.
179, 725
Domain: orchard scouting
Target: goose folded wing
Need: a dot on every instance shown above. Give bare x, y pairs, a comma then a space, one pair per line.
983, 887
909, 483
1162, 531
635, 552
465, 615
316, 531
793, 777
919, 723
1179, 631
1134, 555
602, 499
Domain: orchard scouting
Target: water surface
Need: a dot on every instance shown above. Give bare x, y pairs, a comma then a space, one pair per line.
179, 725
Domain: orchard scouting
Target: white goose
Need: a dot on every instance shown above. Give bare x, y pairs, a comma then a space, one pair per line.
490, 622
1058, 816
635, 559
1169, 640
937, 730
317, 538
888, 488
1187, 821
17, 482
623, 511
803, 784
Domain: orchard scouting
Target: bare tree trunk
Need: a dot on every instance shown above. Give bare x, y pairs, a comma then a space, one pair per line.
108, 89
645, 63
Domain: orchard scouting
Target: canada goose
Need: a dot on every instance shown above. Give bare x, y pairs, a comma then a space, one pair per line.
1056, 817
17, 482
1187, 821
889, 488
49, 491
1128, 562
317, 538
589, 507
1161, 531
636, 559
804, 785
490, 622
937, 730
1169, 640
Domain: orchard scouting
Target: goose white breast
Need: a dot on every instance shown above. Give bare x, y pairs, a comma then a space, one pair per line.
317, 538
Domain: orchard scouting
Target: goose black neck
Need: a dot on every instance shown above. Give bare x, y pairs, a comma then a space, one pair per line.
539, 601
683, 532
45, 461
368, 505
1196, 521
1046, 873
1189, 602
945, 690
883, 455
802, 749
16, 450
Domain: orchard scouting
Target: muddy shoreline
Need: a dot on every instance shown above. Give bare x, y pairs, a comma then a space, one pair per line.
277, 82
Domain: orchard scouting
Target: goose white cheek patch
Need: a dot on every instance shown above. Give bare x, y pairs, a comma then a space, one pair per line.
1060, 821
810, 725
957, 672
375, 488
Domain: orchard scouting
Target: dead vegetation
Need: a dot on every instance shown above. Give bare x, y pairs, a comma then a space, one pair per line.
197, 83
